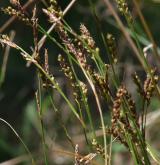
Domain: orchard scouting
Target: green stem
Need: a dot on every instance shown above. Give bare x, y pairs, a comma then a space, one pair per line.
20, 139
39, 107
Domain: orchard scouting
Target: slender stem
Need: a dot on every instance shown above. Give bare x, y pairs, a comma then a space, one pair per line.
83, 98
110, 150
39, 108
20, 139
100, 112
28, 57
5, 60
125, 33
42, 40
146, 28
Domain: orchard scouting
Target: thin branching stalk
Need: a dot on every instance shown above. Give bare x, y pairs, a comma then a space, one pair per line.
56, 110
28, 57
84, 99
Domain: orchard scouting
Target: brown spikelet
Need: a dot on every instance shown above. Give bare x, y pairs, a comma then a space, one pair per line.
69, 74
124, 9
76, 49
83, 160
52, 17
101, 84
35, 32
15, 2
46, 64
150, 84
146, 90
98, 148
17, 13
112, 47
4, 39
85, 34
137, 81
121, 119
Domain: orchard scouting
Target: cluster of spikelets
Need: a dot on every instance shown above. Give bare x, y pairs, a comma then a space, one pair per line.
124, 117
146, 90
17, 12
124, 9
121, 124
82, 48
124, 120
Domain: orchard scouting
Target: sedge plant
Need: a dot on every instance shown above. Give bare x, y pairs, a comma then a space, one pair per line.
81, 57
